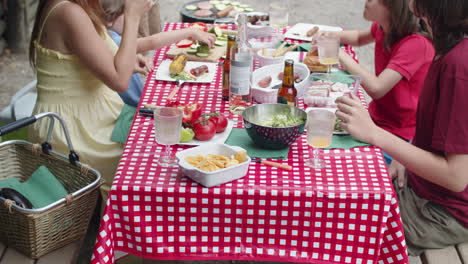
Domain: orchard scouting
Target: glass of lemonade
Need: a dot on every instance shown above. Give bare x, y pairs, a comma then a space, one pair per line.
278, 11
320, 124
167, 127
328, 49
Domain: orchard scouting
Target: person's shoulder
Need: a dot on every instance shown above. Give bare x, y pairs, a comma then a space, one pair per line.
72, 11
418, 45
416, 39
458, 54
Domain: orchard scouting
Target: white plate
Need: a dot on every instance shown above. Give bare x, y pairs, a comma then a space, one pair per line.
299, 31
218, 137
163, 71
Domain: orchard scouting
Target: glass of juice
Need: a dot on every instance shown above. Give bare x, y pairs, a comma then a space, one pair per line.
320, 124
167, 127
328, 45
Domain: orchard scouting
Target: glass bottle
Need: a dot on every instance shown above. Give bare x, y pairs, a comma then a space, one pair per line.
227, 67
287, 93
240, 94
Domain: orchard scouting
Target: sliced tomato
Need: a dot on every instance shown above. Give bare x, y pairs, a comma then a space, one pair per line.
185, 43
221, 26
199, 25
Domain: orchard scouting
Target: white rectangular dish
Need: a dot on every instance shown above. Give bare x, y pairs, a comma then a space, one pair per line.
214, 178
299, 31
163, 71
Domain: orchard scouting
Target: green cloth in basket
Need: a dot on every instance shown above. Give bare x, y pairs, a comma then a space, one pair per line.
123, 124
338, 76
345, 142
41, 189
239, 137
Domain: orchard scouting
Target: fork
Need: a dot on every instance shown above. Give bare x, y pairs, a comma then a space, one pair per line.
273, 164
174, 91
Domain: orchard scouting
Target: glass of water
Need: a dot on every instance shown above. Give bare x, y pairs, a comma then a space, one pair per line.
278, 11
167, 127
320, 124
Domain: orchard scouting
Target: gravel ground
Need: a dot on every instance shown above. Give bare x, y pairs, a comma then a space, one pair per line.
15, 71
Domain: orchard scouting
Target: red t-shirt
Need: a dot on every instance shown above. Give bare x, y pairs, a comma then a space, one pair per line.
442, 125
411, 57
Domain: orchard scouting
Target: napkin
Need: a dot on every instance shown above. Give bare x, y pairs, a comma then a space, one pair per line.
335, 77
345, 142
123, 124
41, 189
239, 137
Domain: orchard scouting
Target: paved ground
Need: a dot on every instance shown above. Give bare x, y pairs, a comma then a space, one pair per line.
15, 71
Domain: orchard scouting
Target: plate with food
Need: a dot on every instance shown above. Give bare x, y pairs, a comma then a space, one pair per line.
187, 71
303, 31
189, 135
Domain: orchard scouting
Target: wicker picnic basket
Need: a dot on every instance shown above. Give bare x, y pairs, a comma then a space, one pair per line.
36, 232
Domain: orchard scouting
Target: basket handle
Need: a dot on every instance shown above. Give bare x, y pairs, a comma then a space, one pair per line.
11, 127
46, 146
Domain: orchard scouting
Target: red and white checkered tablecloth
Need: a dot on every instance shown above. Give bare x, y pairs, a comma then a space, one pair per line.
345, 213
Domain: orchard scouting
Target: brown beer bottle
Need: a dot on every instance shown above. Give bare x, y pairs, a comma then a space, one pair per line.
227, 68
287, 93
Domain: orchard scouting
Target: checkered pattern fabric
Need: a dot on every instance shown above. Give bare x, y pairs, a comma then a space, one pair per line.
345, 213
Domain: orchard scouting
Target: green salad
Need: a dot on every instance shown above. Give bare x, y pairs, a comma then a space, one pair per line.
283, 120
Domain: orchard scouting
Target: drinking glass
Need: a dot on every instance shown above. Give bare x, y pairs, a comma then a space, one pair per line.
167, 127
320, 124
278, 11
328, 48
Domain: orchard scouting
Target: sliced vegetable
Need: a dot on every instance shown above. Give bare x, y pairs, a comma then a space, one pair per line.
192, 111
203, 48
202, 55
185, 43
220, 43
244, 5
235, 3
220, 7
248, 9
217, 31
191, 7
194, 46
192, 51
220, 120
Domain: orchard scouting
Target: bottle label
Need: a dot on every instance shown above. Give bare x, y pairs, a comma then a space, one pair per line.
282, 100
240, 76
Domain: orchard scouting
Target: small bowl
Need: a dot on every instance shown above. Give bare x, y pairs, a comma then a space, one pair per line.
272, 137
214, 178
265, 57
268, 94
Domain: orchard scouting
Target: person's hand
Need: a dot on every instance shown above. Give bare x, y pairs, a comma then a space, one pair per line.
203, 36
137, 7
323, 34
355, 118
396, 169
143, 65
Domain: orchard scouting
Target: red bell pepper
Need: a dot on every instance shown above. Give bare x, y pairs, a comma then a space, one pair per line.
192, 111
199, 25
185, 43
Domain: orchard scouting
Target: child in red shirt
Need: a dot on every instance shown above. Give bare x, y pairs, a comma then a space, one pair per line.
402, 58
434, 203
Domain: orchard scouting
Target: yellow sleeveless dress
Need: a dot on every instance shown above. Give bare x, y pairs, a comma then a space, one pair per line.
90, 109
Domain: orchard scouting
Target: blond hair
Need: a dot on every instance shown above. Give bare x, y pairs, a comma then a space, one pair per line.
112, 9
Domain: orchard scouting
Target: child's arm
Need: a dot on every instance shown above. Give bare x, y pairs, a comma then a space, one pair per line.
356, 37
114, 71
163, 39
375, 86
449, 170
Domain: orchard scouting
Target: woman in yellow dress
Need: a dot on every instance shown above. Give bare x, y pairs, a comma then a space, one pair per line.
79, 70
